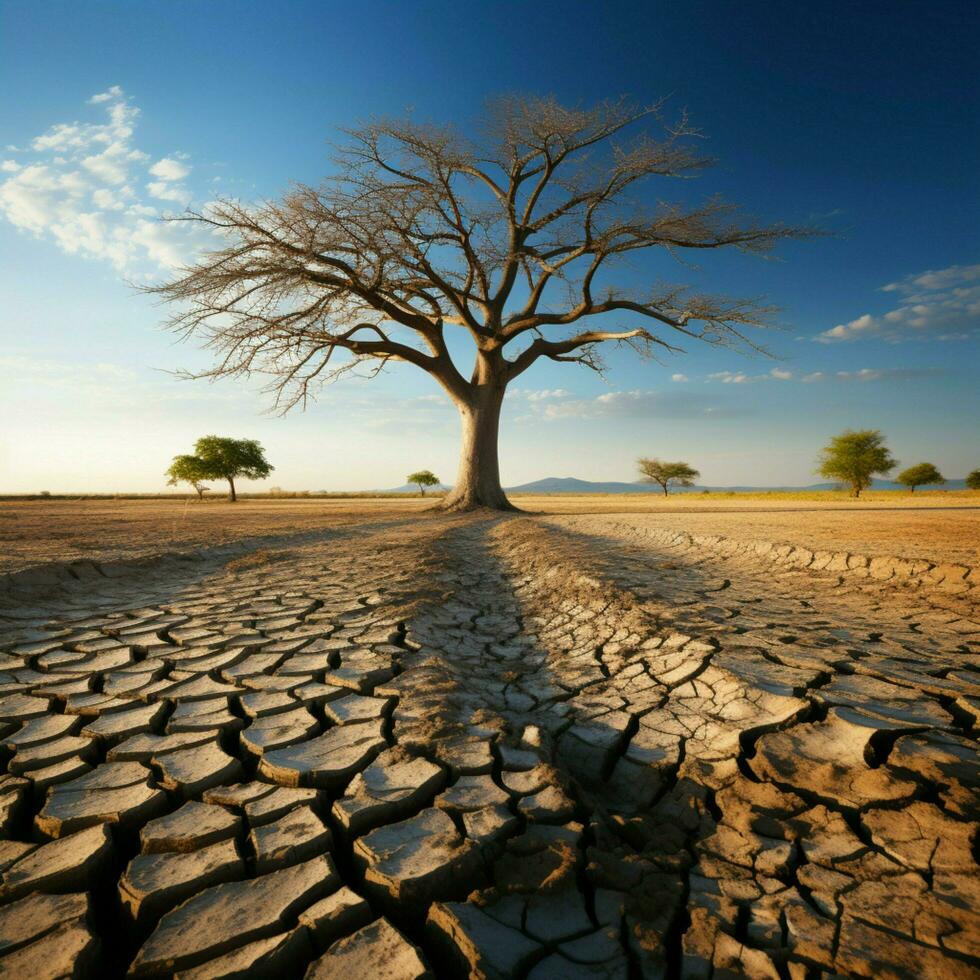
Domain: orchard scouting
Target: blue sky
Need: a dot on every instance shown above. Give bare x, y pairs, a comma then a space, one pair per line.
862, 118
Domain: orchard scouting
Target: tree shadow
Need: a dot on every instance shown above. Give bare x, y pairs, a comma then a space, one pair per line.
528, 653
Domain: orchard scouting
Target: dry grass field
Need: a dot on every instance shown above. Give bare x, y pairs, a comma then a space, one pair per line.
603, 738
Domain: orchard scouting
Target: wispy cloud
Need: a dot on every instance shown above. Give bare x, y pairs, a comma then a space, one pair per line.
113, 93
170, 169
103, 386
888, 374
80, 186
813, 377
740, 378
642, 404
35, 370
538, 394
939, 304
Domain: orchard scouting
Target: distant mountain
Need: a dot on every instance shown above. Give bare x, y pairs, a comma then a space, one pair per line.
570, 484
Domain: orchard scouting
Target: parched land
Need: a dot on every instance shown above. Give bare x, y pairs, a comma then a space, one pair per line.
943, 526
365, 741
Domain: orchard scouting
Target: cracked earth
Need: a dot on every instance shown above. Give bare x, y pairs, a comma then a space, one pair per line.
495, 747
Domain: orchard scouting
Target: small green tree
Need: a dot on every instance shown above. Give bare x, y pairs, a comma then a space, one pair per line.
664, 473
423, 479
973, 480
227, 459
854, 457
919, 476
188, 469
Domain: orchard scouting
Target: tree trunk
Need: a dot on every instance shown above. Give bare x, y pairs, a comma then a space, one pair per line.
478, 479
665, 489
231, 490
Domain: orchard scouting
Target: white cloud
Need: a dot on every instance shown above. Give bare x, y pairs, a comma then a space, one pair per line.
170, 169
848, 331
111, 166
939, 304
679, 377
111, 200
934, 279
640, 404
862, 374
888, 374
547, 394
32, 197
104, 387
78, 191
113, 93
164, 191
163, 243
740, 378
538, 394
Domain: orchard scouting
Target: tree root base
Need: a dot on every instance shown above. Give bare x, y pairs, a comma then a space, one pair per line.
469, 506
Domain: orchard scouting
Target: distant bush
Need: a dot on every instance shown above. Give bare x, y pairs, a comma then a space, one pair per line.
45, 493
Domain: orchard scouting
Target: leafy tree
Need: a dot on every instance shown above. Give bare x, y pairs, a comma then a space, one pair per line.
188, 469
423, 479
228, 459
854, 457
919, 476
664, 473
973, 480
507, 238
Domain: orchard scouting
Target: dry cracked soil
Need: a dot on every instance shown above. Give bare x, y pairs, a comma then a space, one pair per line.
492, 746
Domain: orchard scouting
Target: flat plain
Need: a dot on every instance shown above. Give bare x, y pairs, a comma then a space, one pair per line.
944, 525
604, 737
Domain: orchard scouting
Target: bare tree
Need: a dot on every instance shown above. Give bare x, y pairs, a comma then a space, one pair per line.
505, 241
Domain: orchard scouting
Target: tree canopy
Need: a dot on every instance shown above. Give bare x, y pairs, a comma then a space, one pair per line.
664, 473
423, 479
189, 469
221, 458
920, 475
509, 238
854, 457
973, 480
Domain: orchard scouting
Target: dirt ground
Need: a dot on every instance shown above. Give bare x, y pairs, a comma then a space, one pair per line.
940, 527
